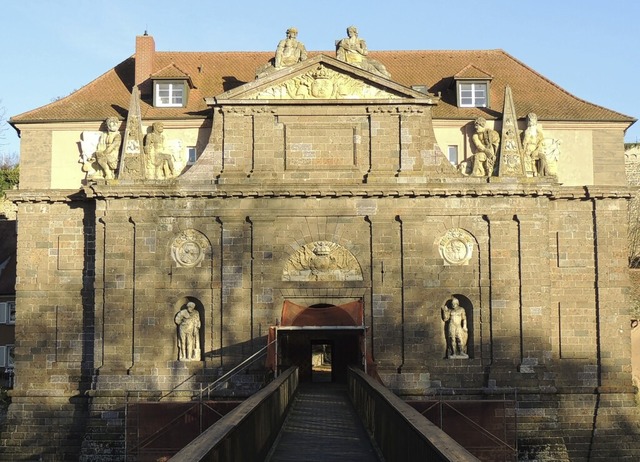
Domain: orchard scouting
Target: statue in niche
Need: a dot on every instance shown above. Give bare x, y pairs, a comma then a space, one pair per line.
159, 162
353, 50
456, 329
290, 51
188, 322
104, 160
534, 147
485, 141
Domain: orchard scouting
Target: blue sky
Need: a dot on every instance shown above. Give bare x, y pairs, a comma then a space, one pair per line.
51, 48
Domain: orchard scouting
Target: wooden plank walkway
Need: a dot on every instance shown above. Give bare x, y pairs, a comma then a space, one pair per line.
323, 426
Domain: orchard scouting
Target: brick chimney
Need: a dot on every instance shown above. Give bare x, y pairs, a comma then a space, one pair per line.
145, 51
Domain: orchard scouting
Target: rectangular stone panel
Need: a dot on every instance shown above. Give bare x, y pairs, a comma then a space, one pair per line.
320, 146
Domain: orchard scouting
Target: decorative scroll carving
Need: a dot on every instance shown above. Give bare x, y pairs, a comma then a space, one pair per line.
552, 153
248, 110
404, 110
322, 261
88, 145
323, 83
456, 247
188, 249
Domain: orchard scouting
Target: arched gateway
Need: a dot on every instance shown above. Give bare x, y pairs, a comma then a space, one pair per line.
322, 340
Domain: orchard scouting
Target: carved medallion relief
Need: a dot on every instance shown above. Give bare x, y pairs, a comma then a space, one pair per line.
456, 247
188, 249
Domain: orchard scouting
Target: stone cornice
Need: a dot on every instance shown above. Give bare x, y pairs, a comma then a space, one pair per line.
18, 196
208, 190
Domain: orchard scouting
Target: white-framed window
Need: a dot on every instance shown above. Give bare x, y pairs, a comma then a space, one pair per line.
169, 93
3, 356
452, 154
192, 155
473, 94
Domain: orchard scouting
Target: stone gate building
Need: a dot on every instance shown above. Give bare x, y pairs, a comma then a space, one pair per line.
240, 181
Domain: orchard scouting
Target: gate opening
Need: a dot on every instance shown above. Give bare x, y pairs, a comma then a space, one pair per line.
321, 370
322, 341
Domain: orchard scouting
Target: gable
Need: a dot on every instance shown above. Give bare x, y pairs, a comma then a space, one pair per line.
322, 78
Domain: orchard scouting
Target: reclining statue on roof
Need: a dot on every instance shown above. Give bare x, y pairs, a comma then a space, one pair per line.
353, 50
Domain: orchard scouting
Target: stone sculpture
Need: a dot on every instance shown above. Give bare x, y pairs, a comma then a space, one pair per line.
534, 147
188, 249
159, 162
108, 148
322, 82
456, 329
486, 142
322, 261
290, 51
353, 50
511, 160
188, 321
132, 158
456, 247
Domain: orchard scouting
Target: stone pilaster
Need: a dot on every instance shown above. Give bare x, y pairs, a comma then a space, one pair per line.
505, 297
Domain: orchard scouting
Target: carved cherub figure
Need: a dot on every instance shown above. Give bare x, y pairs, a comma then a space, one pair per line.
486, 142
534, 146
108, 149
159, 162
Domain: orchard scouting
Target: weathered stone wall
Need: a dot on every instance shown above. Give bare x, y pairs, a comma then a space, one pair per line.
54, 330
103, 272
35, 168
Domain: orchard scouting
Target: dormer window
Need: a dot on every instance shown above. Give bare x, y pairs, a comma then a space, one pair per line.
472, 94
472, 87
169, 93
171, 87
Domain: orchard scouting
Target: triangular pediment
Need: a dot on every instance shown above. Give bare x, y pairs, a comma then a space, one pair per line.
322, 78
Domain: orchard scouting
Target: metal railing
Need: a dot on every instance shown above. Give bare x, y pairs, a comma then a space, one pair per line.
159, 423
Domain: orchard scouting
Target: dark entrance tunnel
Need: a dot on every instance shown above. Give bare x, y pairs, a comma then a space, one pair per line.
297, 348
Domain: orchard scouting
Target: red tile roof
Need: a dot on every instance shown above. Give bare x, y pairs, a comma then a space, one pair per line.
472, 72
213, 73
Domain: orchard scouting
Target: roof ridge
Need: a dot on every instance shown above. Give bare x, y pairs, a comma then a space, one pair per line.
563, 90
